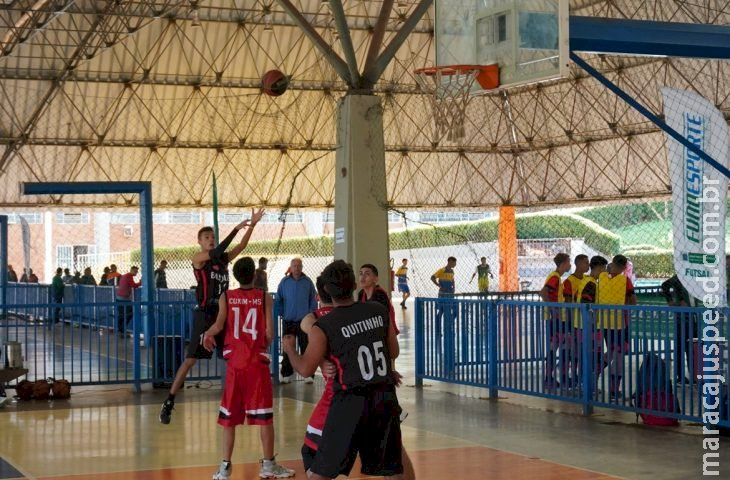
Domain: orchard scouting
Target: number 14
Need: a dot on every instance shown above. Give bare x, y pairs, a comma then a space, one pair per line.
249, 324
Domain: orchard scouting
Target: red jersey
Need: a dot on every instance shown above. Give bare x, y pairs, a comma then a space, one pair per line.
380, 296
319, 414
245, 331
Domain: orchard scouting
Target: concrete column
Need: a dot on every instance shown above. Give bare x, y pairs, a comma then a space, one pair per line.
361, 216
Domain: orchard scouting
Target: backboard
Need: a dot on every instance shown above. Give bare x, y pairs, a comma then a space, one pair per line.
528, 39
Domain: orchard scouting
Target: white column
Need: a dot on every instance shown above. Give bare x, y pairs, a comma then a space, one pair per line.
102, 235
313, 224
49, 263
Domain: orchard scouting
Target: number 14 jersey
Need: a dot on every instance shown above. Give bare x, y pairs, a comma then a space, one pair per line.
357, 344
245, 329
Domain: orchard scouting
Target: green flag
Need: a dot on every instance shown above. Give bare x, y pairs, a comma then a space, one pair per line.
215, 209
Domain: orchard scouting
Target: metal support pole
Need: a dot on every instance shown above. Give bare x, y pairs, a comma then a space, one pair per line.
372, 74
646, 113
337, 63
147, 260
420, 343
493, 349
3, 263
344, 31
376, 42
586, 359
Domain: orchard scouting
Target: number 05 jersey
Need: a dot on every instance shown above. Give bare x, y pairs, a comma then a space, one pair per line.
357, 345
245, 337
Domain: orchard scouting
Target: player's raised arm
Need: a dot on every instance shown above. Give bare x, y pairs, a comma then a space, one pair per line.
256, 216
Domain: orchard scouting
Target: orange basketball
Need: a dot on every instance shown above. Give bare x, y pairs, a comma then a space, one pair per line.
274, 83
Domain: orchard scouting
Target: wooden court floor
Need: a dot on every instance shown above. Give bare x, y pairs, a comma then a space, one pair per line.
99, 436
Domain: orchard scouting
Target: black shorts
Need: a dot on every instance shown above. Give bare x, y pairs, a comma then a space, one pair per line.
202, 321
308, 454
365, 422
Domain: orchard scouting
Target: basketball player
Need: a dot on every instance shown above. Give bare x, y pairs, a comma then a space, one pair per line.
248, 397
317, 420
363, 415
210, 266
402, 275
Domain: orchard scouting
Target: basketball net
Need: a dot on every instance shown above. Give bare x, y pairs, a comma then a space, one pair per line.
449, 91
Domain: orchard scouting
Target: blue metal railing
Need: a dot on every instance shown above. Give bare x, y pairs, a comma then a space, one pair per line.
92, 338
575, 353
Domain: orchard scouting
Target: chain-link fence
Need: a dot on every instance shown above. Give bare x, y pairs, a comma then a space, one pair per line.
96, 239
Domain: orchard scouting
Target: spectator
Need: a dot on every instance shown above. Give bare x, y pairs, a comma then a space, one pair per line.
57, 287
615, 288
12, 276
161, 276
76, 280
124, 298
402, 275
295, 298
88, 278
685, 325
32, 278
24, 277
261, 278
104, 276
67, 278
483, 273
113, 277
444, 279
555, 321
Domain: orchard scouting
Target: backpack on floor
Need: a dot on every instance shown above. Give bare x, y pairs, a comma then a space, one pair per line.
654, 391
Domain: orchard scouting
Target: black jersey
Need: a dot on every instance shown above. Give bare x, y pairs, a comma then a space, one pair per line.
212, 281
357, 345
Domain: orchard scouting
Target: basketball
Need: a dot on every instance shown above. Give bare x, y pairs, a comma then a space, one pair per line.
274, 83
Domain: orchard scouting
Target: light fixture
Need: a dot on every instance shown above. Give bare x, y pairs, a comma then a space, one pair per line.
268, 19
195, 16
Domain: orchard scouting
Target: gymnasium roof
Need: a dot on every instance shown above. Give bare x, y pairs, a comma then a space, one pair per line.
169, 91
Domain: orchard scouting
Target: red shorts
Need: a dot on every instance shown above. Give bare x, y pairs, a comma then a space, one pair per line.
248, 397
319, 416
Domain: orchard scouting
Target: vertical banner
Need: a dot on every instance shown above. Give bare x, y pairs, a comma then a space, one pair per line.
699, 192
215, 209
25, 233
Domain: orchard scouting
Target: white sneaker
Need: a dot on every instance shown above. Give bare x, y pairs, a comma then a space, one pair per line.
224, 471
283, 379
271, 469
309, 380
3, 401
403, 415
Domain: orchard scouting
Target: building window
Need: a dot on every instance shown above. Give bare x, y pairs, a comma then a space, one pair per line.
69, 218
188, 218
31, 218
75, 257
125, 218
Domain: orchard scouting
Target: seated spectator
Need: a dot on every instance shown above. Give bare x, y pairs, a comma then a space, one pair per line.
67, 278
88, 278
161, 276
104, 276
32, 278
12, 276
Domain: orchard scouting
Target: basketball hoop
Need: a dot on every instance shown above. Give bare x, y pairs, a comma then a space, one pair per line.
449, 88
